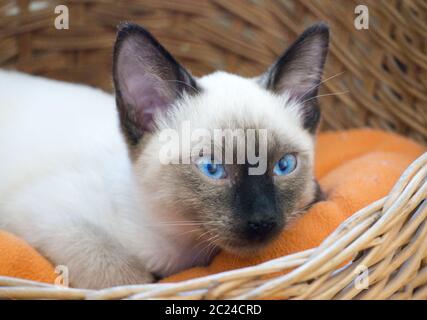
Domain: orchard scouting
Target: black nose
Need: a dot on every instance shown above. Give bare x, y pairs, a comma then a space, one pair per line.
260, 230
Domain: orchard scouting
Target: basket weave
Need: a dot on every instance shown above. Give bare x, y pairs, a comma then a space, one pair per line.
377, 78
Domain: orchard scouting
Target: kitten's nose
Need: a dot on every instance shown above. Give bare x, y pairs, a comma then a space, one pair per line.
260, 230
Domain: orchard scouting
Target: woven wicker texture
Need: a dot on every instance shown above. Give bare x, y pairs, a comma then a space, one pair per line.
379, 74
375, 77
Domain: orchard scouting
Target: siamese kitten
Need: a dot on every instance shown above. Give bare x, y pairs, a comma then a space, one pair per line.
84, 184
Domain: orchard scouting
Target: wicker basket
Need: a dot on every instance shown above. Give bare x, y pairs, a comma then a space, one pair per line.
377, 78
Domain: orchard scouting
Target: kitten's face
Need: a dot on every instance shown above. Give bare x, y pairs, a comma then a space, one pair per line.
240, 210
238, 191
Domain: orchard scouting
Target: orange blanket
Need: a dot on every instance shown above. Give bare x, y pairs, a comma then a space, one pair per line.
354, 168
18, 259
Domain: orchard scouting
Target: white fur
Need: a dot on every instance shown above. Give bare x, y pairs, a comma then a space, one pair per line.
228, 96
67, 185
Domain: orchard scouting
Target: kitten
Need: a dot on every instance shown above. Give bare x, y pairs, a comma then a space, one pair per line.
86, 186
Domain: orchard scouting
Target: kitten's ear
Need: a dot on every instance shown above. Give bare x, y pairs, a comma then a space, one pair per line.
298, 72
147, 80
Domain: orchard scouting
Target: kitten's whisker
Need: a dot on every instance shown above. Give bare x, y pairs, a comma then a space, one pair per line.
327, 94
321, 82
171, 225
198, 251
182, 221
175, 224
210, 243
202, 235
213, 248
189, 222
188, 232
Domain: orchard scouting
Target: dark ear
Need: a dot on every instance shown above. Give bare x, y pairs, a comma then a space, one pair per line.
147, 80
298, 72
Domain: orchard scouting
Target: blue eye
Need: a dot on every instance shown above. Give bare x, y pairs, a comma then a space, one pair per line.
211, 169
285, 165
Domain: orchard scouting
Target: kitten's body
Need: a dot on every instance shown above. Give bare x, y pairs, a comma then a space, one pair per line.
96, 199
67, 185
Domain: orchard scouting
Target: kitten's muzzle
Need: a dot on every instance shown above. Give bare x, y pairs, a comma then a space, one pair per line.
257, 213
251, 235
259, 231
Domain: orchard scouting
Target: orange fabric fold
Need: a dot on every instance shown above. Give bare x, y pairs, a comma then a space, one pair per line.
18, 259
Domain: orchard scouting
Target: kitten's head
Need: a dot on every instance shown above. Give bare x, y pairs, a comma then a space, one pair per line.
232, 155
